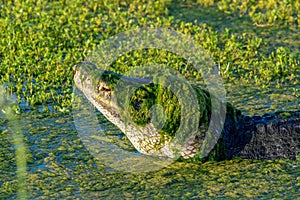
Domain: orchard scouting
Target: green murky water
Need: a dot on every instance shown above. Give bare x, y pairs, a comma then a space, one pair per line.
254, 100
60, 166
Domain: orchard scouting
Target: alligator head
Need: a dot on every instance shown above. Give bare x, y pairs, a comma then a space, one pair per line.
133, 118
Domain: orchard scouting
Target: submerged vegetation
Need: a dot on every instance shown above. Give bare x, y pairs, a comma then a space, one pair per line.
253, 43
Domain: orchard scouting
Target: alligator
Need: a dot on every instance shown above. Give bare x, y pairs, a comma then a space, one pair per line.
270, 136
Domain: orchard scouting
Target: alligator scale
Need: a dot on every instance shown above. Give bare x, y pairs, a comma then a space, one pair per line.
271, 136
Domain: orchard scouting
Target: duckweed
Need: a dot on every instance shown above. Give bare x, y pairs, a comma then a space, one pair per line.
44, 39
62, 173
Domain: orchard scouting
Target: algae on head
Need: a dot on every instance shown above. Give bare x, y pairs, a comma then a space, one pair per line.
144, 98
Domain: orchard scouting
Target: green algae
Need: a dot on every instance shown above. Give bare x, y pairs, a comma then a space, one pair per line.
149, 95
43, 40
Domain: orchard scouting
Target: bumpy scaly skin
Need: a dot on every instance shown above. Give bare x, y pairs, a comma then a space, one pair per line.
270, 136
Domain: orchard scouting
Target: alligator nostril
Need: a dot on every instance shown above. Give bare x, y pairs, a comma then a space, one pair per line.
76, 68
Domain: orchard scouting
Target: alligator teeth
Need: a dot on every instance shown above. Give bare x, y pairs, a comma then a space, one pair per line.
107, 95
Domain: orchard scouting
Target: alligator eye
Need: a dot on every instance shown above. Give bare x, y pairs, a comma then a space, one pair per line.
137, 104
